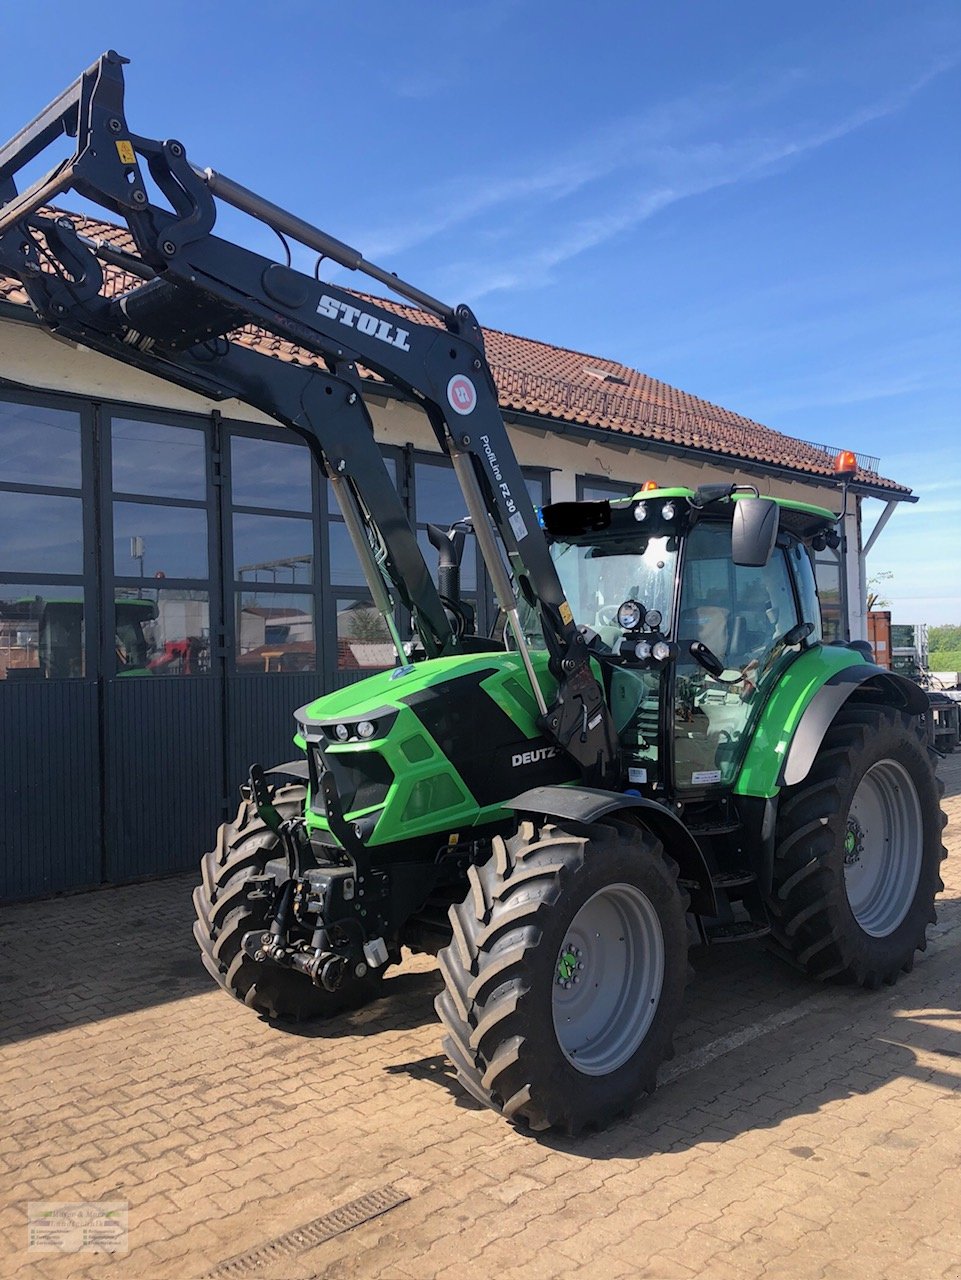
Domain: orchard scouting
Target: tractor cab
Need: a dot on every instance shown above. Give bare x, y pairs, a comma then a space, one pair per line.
692, 604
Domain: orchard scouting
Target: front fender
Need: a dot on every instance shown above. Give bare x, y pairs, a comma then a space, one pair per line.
590, 804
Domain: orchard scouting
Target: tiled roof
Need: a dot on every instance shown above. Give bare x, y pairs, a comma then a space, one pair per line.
558, 385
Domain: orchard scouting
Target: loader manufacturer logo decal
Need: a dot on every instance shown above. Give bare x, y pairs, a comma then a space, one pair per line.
461, 394
503, 488
533, 757
364, 322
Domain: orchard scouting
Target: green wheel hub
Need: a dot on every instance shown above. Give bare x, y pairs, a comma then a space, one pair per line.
608, 979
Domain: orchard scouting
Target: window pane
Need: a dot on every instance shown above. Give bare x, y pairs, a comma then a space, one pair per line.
270, 473
273, 549
438, 495
41, 632
601, 490
40, 533
158, 460
391, 465
828, 574
345, 568
804, 577
539, 490
39, 445
275, 632
151, 541
740, 613
161, 631
363, 641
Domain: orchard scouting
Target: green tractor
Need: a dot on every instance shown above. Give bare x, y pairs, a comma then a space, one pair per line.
770, 785
657, 749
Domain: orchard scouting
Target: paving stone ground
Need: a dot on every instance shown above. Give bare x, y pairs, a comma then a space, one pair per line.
806, 1132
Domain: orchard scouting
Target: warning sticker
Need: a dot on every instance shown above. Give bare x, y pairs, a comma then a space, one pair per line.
125, 152
636, 775
461, 394
519, 527
706, 775
565, 611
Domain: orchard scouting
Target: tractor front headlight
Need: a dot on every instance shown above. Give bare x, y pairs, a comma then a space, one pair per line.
661, 651
630, 615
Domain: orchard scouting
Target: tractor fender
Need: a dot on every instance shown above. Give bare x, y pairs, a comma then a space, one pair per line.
589, 804
886, 688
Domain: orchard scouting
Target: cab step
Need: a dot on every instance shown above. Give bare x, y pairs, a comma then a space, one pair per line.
737, 931
724, 879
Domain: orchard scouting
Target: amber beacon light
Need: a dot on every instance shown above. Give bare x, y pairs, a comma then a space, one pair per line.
845, 463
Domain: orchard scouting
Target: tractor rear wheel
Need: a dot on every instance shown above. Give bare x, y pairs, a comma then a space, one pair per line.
225, 914
565, 976
859, 849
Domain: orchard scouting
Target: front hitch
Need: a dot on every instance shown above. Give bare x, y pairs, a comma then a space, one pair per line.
291, 832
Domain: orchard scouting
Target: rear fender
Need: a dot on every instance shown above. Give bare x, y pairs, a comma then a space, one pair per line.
589, 804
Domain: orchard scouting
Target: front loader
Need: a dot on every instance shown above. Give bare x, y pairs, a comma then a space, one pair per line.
659, 749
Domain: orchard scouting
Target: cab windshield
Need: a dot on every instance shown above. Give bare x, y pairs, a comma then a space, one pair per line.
597, 578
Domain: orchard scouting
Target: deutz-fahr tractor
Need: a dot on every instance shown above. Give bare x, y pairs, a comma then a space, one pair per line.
657, 748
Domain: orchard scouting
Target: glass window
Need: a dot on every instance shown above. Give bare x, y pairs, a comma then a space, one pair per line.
39, 445
275, 632
439, 496
740, 614
41, 632
152, 541
391, 464
539, 489
345, 568
40, 533
270, 473
363, 641
604, 490
273, 549
827, 569
161, 631
158, 460
803, 567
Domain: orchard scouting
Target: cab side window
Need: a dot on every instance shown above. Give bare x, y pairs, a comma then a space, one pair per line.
740, 613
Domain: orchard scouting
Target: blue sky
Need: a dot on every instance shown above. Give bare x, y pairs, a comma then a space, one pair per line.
758, 203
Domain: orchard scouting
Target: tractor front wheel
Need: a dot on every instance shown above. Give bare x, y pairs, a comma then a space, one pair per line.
225, 913
565, 976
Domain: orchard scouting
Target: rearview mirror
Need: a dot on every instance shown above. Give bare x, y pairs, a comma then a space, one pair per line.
754, 531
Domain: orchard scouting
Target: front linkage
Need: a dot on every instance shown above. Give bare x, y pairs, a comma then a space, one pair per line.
328, 921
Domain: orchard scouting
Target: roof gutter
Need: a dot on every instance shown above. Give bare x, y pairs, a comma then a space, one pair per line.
577, 430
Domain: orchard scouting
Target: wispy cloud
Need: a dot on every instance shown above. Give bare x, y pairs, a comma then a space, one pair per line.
680, 172
658, 158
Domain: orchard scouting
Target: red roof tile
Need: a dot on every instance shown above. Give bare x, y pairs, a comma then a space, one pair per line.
564, 386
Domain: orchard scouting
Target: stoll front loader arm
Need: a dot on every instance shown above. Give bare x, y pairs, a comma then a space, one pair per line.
191, 289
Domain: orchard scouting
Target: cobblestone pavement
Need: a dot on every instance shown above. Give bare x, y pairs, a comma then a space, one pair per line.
803, 1131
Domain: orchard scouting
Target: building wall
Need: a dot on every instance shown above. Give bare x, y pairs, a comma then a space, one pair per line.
28, 356
110, 777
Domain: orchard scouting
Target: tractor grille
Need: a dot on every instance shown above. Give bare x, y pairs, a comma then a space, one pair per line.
363, 779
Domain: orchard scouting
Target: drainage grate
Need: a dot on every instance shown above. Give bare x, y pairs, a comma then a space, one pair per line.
311, 1234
